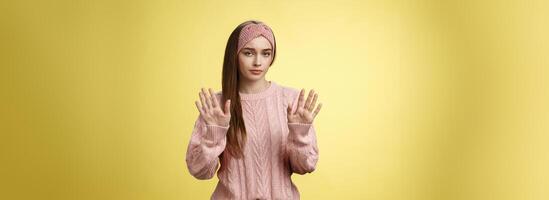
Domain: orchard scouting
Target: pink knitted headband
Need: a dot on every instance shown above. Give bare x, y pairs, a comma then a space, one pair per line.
251, 31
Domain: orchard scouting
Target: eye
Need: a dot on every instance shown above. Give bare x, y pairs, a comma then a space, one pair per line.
267, 54
247, 53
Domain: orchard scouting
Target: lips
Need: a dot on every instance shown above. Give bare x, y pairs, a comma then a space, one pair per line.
256, 72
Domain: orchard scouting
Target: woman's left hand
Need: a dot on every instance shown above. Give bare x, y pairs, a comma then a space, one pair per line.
305, 112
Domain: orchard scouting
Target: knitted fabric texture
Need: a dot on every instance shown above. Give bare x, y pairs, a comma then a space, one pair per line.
252, 31
275, 149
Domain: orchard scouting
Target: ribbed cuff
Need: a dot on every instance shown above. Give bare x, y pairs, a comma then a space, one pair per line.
299, 129
214, 134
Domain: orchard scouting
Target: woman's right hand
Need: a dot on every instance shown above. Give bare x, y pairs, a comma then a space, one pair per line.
211, 110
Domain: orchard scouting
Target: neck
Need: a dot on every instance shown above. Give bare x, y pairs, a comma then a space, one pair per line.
250, 87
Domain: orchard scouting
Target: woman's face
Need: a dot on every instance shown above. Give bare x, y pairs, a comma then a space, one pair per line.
255, 59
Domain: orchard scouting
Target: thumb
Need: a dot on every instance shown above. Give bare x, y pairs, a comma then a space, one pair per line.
228, 107
289, 109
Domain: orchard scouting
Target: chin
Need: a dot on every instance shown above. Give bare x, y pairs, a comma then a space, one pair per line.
254, 78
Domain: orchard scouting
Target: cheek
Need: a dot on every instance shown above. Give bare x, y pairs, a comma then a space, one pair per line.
267, 61
244, 61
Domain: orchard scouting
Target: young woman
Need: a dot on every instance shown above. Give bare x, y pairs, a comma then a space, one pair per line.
258, 131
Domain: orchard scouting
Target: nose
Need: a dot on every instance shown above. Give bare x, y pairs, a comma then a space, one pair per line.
257, 61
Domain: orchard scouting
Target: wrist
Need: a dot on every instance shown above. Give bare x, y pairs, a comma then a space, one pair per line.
218, 125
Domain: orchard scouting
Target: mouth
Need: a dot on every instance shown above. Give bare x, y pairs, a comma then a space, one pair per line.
256, 72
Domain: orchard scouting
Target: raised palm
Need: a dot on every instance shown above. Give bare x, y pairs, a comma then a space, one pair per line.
305, 111
211, 111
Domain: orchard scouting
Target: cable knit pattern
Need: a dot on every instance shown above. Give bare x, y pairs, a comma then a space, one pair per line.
259, 141
275, 149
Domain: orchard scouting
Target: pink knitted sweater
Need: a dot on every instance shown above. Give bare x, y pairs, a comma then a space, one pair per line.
274, 150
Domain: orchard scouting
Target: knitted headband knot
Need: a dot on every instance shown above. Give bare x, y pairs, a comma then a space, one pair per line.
251, 31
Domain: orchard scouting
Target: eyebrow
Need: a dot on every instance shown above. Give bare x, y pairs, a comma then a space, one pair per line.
252, 49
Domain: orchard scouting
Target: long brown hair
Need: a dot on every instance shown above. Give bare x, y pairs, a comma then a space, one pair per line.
236, 136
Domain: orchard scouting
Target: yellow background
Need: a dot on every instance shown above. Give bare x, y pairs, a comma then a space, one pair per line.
422, 99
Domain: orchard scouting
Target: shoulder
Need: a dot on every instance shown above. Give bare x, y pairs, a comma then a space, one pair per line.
289, 92
218, 95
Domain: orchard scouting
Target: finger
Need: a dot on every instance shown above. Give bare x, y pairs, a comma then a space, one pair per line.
208, 100
300, 101
203, 101
309, 99
228, 107
214, 98
313, 103
199, 107
317, 110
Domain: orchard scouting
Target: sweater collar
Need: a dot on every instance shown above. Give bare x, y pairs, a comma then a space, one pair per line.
259, 95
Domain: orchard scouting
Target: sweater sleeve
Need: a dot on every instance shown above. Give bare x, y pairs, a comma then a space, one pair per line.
302, 148
206, 144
